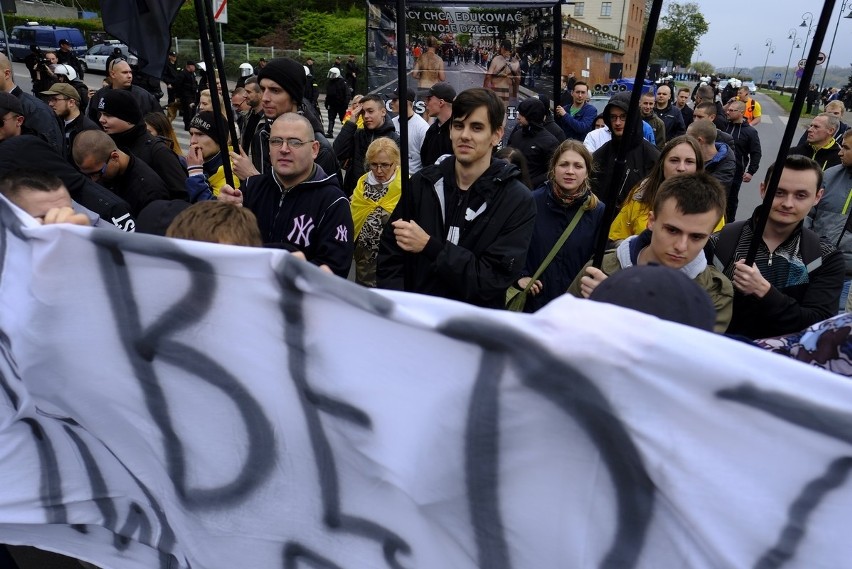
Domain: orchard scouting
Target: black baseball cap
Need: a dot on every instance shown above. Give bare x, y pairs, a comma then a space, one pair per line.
443, 91
409, 94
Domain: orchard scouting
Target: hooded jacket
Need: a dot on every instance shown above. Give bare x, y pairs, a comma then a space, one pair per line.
723, 165
828, 217
640, 156
313, 217
351, 144
537, 145
478, 238
154, 152
746, 146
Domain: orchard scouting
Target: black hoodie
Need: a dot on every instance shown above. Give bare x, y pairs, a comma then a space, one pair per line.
493, 223
351, 144
641, 155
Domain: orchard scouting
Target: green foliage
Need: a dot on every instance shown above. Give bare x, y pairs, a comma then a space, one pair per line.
679, 34
331, 33
703, 68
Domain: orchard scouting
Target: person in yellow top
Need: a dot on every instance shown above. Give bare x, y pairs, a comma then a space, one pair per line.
204, 160
752, 108
373, 200
681, 155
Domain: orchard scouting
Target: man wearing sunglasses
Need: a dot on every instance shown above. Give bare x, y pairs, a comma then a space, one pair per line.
299, 206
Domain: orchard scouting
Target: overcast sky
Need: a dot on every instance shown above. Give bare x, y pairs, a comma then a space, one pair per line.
750, 23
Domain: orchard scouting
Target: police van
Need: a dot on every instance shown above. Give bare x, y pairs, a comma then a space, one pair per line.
46, 38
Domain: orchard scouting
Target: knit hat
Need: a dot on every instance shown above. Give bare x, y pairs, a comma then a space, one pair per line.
533, 110
9, 103
288, 73
121, 105
659, 291
65, 89
204, 121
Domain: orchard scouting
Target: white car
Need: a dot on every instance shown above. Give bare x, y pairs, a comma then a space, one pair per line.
752, 88
96, 58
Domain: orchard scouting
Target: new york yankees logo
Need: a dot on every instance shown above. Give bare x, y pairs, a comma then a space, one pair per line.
302, 230
342, 233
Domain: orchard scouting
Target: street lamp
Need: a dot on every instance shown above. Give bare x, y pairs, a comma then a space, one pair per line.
791, 35
827, 59
770, 50
737, 53
807, 22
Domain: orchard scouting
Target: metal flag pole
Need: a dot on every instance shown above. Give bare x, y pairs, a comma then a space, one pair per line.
207, 55
220, 67
792, 124
619, 168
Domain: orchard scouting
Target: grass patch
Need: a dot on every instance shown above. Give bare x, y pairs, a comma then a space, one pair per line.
783, 99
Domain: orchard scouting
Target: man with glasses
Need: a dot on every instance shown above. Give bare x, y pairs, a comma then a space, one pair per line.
64, 99
747, 151
298, 206
351, 143
98, 158
641, 154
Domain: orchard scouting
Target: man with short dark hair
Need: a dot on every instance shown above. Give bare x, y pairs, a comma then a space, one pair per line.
254, 117
43, 196
578, 119
171, 72
646, 109
686, 210
707, 111
532, 140
38, 115
797, 277
719, 159
707, 94
352, 142
186, 89
296, 203
439, 105
462, 227
682, 103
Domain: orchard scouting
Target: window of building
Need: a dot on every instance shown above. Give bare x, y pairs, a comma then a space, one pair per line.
606, 9
579, 8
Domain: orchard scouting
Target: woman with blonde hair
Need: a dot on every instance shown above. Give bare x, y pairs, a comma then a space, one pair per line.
680, 155
563, 200
373, 201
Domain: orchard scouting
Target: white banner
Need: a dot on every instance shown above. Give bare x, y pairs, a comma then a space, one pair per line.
177, 404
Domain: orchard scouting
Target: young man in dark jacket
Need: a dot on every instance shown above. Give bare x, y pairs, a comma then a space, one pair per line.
351, 142
462, 228
747, 151
641, 154
296, 203
534, 142
797, 277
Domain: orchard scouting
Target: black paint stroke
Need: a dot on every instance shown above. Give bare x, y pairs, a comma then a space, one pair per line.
816, 418
482, 463
9, 357
292, 306
810, 497
136, 518
50, 486
145, 345
295, 552
577, 396
97, 484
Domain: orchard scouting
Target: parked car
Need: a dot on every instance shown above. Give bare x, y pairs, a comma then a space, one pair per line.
46, 38
95, 59
752, 88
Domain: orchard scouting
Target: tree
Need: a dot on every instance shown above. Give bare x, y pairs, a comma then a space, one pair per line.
703, 68
679, 34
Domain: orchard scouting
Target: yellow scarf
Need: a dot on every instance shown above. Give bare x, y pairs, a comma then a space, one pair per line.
362, 207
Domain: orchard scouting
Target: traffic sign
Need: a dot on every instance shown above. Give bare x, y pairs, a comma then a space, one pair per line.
820, 58
220, 11
802, 63
777, 76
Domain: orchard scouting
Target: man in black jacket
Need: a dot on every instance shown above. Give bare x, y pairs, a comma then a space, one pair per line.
462, 228
38, 115
97, 157
122, 121
439, 105
121, 79
171, 72
186, 88
295, 202
747, 150
641, 154
534, 142
351, 143
669, 113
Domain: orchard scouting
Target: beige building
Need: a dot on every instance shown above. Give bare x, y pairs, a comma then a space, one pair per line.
597, 34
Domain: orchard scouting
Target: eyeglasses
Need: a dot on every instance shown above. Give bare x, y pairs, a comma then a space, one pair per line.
51, 99
292, 143
384, 166
13, 117
97, 175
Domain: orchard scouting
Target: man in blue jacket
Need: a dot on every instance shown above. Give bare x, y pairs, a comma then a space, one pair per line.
578, 119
